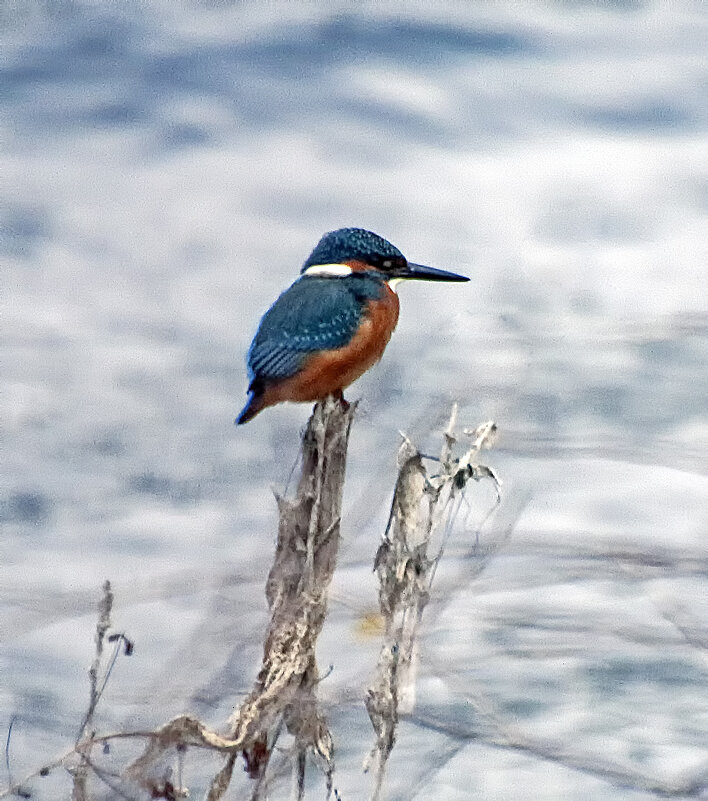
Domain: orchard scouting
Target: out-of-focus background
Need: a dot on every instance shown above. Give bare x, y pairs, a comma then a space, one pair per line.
165, 170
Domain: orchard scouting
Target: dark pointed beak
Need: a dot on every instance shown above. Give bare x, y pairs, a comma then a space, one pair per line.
420, 272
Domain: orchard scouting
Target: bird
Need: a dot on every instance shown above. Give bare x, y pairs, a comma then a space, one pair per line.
333, 323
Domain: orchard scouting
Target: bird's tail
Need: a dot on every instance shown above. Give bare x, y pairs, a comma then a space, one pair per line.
254, 404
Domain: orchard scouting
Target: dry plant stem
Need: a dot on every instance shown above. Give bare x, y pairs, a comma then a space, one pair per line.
422, 513
79, 788
403, 588
308, 539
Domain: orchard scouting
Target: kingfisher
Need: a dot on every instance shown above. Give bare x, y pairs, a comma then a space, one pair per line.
333, 323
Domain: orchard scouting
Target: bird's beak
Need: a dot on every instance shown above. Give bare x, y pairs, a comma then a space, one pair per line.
421, 273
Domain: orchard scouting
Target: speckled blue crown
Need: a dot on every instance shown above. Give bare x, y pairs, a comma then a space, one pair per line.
346, 244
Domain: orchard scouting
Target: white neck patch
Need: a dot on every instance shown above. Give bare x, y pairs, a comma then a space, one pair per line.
331, 270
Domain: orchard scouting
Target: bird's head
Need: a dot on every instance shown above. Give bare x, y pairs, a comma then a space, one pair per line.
348, 250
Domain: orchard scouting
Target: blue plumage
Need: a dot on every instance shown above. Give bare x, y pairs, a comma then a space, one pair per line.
322, 312
315, 313
348, 244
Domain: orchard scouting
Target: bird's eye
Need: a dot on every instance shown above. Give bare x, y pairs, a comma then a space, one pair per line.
387, 264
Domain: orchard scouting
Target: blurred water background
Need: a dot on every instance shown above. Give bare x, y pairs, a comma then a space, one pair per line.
165, 169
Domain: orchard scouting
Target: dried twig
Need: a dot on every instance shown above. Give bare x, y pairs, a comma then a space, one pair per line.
83, 747
423, 510
308, 539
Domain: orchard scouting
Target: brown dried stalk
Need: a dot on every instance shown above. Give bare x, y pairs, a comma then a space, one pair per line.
306, 553
422, 512
80, 780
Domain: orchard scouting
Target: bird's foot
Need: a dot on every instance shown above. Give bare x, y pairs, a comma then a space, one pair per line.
343, 402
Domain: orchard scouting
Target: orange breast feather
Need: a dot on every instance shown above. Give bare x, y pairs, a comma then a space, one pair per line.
330, 371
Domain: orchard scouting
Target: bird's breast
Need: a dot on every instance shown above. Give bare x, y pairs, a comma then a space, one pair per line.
378, 321
336, 369
331, 370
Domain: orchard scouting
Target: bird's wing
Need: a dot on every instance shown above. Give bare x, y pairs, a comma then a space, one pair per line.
313, 314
